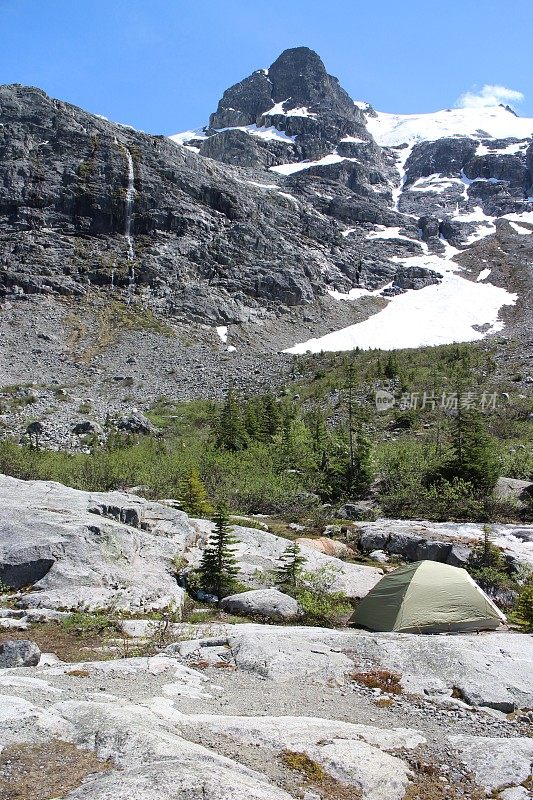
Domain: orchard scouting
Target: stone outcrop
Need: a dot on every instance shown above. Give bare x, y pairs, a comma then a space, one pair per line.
489, 670
207, 242
328, 546
279, 720
449, 542
83, 550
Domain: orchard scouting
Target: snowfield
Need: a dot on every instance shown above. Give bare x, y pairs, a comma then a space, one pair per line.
497, 122
438, 314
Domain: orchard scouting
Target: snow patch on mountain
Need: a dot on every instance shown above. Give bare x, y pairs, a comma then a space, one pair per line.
186, 136
520, 229
401, 161
451, 311
434, 183
390, 233
289, 169
514, 148
269, 133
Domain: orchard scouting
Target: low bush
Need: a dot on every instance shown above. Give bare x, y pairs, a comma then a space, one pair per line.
82, 623
382, 679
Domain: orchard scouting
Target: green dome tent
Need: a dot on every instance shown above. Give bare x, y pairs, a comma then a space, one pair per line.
427, 597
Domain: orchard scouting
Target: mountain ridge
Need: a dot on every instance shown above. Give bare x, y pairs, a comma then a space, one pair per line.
303, 200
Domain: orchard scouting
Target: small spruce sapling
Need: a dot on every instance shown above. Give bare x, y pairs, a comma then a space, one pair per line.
291, 567
219, 569
193, 496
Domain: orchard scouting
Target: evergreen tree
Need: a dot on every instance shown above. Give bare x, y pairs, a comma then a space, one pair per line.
193, 496
219, 569
252, 417
347, 467
317, 426
524, 607
486, 554
271, 421
473, 458
294, 447
391, 367
360, 474
291, 566
231, 434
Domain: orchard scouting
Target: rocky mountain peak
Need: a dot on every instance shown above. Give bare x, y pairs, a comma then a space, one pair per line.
297, 80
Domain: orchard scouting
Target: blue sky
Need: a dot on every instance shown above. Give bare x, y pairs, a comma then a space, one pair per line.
161, 65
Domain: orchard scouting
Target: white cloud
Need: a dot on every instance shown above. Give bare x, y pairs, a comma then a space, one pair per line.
489, 95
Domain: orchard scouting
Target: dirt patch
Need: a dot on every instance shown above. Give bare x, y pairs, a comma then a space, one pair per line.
430, 783
45, 771
313, 776
67, 645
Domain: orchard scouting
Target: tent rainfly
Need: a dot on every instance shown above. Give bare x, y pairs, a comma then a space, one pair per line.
427, 597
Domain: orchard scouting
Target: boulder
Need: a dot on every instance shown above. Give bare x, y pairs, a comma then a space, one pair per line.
84, 550
510, 489
86, 427
379, 555
360, 510
264, 603
19, 653
373, 540
404, 545
135, 422
495, 762
433, 551
458, 556
415, 278
329, 547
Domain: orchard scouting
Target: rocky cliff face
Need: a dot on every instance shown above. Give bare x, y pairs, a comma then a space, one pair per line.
290, 192
209, 244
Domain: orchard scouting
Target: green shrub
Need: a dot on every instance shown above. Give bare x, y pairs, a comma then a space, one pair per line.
322, 609
524, 607
82, 623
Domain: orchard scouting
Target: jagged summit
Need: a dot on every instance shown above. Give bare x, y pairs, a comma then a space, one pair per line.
296, 82
299, 79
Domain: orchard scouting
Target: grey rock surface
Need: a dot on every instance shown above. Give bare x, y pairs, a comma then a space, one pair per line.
135, 422
520, 492
496, 763
326, 545
450, 542
19, 653
89, 550
268, 603
170, 730
489, 670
